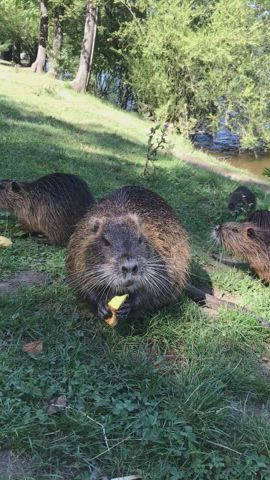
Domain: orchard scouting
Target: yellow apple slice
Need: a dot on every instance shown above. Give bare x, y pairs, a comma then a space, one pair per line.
5, 242
114, 304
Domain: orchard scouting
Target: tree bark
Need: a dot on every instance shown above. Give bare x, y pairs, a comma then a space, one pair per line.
58, 39
39, 64
80, 83
16, 50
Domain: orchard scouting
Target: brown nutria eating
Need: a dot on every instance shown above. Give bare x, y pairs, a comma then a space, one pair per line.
51, 205
241, 200
249, 241
130, 243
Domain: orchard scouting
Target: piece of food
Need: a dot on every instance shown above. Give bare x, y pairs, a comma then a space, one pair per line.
116, 302
5, 242
112, 321
114, 305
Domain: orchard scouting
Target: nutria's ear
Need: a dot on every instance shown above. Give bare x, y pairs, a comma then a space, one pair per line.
251, 233
15, 187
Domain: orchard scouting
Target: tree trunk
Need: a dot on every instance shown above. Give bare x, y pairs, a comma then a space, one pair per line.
80, 83
39, 64
16, 50
58, 39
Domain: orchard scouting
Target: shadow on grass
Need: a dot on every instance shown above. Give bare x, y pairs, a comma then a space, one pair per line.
103, 374
34, 144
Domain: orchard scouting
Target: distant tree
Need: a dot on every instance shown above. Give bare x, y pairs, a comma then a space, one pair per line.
199, 63
39, 64
18, 30
58, 35
79, 84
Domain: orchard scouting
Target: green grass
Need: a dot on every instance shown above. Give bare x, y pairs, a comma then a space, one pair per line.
181, 395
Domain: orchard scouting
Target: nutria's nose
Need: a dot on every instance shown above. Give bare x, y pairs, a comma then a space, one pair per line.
130, 267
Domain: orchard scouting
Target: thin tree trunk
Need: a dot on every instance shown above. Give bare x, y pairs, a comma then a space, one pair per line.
39, 64
58, 39
80, 83
16, 50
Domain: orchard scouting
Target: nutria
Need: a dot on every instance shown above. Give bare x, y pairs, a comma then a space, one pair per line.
51, 205
131, 242
249, 242
261, 218
241, 200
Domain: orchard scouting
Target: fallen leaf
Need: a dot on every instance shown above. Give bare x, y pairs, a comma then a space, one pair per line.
57, 404
5, 242
33, 347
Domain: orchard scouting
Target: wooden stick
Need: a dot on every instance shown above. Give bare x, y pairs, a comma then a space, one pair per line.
210, 301
226, 261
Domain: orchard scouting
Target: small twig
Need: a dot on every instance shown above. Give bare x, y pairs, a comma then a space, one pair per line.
103, 429
108, 449
128, 6
226, 261
92, 420
221, 446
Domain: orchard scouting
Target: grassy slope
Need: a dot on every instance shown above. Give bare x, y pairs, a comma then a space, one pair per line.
184, 394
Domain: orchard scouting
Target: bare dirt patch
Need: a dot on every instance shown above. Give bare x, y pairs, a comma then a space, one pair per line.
13, 466
22, 279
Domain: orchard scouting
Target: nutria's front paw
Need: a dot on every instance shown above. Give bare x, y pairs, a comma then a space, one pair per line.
103, 311
124, 311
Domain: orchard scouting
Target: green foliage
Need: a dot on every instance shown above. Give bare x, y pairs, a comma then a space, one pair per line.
156, 141
267, 172
19, 24
195, 63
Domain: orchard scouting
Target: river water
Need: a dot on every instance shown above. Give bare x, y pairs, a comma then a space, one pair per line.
225, 145
248, 162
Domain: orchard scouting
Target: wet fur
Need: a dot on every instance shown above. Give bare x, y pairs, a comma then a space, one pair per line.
241, 200
261, 218
125, 216
248, 241
51, 205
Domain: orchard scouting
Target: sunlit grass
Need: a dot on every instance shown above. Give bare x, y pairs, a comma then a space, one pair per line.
181, 395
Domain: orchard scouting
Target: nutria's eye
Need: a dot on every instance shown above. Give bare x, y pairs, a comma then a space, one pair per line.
106, 242
251, 233
15, 187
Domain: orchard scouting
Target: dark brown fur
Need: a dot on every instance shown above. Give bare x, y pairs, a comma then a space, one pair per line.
131, 242
248, 241
261, 218
241, 200
51, 205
